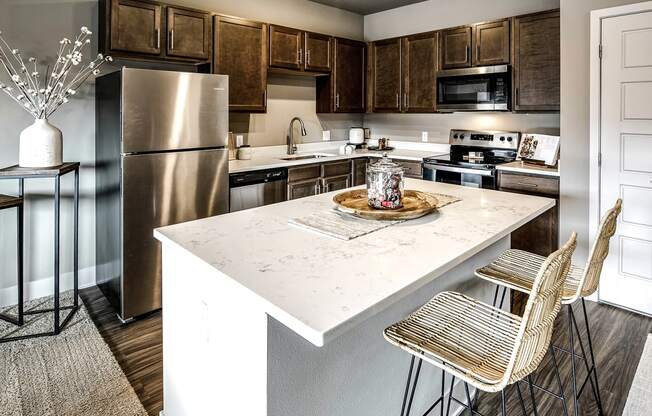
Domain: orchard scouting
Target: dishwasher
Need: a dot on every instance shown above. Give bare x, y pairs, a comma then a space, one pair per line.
258, 188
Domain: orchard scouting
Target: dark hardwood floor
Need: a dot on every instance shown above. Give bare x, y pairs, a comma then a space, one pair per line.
138, 347
618, 336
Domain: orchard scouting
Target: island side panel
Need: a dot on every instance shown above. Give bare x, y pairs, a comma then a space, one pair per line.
360, 373
214, 341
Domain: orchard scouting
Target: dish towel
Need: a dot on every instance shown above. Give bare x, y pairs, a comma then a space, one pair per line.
343, 226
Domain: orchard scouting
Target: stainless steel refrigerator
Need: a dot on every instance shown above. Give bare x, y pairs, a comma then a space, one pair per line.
161, 159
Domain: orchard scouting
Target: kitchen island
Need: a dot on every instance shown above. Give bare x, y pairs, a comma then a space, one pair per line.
264, 318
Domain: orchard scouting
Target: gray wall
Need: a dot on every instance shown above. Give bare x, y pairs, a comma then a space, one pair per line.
435, 14
575, 38
35, 26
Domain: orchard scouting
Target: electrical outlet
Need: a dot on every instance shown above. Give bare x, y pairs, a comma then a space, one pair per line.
326, 135
424, 136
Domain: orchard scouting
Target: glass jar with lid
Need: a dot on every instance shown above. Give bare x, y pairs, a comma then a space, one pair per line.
385, 184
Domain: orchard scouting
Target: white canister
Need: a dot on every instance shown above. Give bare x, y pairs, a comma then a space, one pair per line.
244, 152
356, 135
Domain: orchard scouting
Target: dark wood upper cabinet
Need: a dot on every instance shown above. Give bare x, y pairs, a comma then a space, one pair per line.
344, 90
387, 77
135, 27
189, 33
455, 47
285, 47
240, 51
535, 44
420, 73
491, 43
349, 78
317, 52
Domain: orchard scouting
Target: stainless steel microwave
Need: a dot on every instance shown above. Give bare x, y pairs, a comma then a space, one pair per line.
474, 89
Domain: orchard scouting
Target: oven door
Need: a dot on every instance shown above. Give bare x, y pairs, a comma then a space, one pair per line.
473, 89
476, 178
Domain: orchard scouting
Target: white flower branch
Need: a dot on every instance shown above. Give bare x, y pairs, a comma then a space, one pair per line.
42, 99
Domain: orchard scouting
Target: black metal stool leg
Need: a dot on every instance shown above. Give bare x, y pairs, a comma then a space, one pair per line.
520, 399
450, 395
414, 387
571, 344
20, 269
558, 376
468, 398
595, 367
589, 369
407, 386
534, 401
504, 402
443, 391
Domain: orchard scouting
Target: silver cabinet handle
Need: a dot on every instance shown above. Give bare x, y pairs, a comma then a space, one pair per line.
307, 57
300, 55
405, 100
171, 39
398, 101
337, 101
158, 38
531, 185
318, 187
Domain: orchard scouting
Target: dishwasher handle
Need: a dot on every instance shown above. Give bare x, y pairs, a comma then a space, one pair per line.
257, 177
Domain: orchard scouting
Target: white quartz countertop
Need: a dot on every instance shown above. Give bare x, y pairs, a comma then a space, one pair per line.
520, 167
319, 286
271, 157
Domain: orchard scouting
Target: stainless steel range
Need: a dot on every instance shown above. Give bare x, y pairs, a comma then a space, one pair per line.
473, 158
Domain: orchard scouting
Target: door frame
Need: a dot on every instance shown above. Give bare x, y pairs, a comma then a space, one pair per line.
595, 107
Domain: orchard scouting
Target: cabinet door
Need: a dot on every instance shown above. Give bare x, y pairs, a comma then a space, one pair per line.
420, 73
359, 171
455, 47
411, 168
318, 52
386, 69
189, 34
285, 47
303, 189
349, 77
336, 183
240, 51
135, 27
491, 42
536, 62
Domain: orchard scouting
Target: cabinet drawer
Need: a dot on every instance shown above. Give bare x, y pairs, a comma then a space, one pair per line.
302, 173
411, 168
529, 184
336, 169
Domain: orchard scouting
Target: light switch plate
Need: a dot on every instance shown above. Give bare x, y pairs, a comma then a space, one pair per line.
326, 135
424, 136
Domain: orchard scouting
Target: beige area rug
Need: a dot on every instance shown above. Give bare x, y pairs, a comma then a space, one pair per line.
639, 400
71, 374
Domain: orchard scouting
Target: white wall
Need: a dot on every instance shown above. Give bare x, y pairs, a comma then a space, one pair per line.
575, 38
35, 26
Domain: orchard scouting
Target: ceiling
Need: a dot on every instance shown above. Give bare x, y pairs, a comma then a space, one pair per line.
367, 6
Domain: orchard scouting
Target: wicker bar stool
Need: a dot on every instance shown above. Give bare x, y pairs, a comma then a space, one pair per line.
517, 270
480, 344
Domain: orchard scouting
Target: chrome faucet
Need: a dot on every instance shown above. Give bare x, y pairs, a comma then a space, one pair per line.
292, 147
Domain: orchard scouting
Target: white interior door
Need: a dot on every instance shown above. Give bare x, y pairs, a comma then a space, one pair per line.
626, 147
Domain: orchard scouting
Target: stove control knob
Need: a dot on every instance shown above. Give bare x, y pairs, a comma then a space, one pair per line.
461, 136
502, 138
509, 139
455, 136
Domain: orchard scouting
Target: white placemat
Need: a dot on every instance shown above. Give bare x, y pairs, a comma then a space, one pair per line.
343, 226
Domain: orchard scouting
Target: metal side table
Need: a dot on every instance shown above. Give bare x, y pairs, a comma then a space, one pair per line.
7, 202
55, 173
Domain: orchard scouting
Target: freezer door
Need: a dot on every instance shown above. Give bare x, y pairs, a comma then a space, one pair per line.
158, 190
166, 110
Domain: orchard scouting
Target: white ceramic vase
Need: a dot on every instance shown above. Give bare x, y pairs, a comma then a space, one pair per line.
41, 145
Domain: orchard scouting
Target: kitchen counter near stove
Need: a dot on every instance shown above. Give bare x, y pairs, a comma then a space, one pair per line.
264, 318
521, 167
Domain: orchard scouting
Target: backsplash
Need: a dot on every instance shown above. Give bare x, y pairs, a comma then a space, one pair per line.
408, 127
288, 97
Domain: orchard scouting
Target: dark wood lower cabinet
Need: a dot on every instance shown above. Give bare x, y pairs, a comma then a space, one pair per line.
335, 183
359, 171
309, 180
302, 189
541, 235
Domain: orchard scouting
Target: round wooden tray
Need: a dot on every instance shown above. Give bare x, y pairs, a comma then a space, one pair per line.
415, 204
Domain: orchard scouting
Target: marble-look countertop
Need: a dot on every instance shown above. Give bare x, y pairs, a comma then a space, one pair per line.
520, 167
270, 157
321, 287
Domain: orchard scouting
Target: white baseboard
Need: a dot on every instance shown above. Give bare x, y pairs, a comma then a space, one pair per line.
45, 287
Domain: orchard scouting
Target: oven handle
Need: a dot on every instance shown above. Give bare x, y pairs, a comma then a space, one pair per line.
459, 170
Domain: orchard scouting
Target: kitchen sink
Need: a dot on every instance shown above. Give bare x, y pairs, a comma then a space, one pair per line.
310, 156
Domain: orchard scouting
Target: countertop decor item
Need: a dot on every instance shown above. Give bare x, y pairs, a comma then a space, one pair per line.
244, 152
385, 184
415, 204
42, 93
